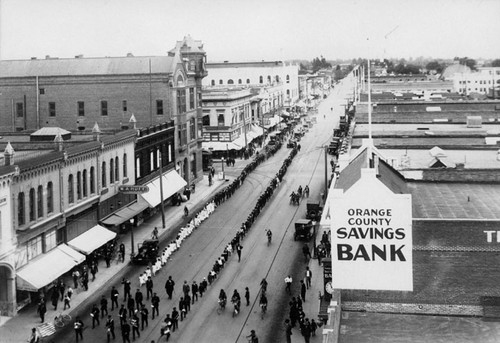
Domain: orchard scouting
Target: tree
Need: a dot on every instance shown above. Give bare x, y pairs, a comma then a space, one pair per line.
320, 63
435, 65
496, 63
469, 62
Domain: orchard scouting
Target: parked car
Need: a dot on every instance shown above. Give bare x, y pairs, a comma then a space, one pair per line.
304, 229
147, 252
314, 210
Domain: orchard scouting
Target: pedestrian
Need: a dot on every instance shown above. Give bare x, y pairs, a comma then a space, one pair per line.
252, 338
70, 292
203, 286
138, 300
55, 298
134, 323
154, 234
122, 313
187, 303
94, 313
62, 289
247, 296
175, 319
194, 291
130, 306
67, 299
149, 287
104, 306
122, 252
126, 332
182, 308
166, 326
110, 327
42, 309
288, 331
107, 258
114, 298
306, 252
78, 326
93, 270
308, 277
303, 290
169, 287
144, 316
314, 326
35, 337
185, 288
76, 276
288, 283
126, 289
186, 211
85, 280
305, 330
238, 251
155, 305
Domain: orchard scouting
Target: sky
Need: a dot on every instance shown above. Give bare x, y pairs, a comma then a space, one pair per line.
252, 30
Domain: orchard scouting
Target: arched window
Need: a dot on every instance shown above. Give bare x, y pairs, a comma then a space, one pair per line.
239, 81
287, 78
220, 120
20, 209
117, 168
124, 165
277, 77
84, 183
268, 78
103, 175
32, 204
212, 83
111, 171
180, 81
288, 92
92, 180
71, 195
206, 120
248, 81
221, 82
78, 185
50, 197
39, 201
261, 79
230, 82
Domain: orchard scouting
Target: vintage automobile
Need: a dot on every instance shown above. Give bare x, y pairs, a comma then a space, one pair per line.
291, 144
314, 210
304, 229
147, 252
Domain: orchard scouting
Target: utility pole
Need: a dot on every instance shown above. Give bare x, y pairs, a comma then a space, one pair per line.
161, 193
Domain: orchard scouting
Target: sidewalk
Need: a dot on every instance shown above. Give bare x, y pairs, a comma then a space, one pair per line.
18, 329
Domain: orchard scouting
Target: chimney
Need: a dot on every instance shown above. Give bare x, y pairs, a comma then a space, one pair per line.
9, 155
96, 131
129, 54
59, 142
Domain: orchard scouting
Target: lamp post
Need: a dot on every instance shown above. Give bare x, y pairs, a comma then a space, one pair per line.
131, 235
223, 175
161, 193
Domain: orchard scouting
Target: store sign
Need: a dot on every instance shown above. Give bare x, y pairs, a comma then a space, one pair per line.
372, 242
130, 189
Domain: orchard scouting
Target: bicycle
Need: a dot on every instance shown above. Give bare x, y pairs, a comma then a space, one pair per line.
61, 319
222, 306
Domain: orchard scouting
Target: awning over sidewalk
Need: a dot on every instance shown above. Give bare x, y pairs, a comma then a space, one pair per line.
92, 239
172, 183
47, 268
124, 214
221, 146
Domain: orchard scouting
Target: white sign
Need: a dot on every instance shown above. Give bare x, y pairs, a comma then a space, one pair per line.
372, 240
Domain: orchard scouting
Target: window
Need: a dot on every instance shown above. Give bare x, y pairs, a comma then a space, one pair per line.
212, 82
71, 194
192, 129
261, 79
124, 165
230, 82
52, 109
199, 98
34, 247
32, 204
19, 109
277, 78
124, 105
248, 81
84, 183
268, 78
39, 201
117, 168
103, 174
182, 134
92, 180
20, 209
111, 171
288, 79
240, 82
181, 101
206, 120
191, 98
41, 91
220, 120
221, 82
79, 185
50, 198
81, 108
50, 240
159, 107
104, 108
288, 93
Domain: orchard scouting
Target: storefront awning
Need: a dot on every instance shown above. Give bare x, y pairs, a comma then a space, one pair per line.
221, 146
92, 239
172, 183
47, 268
125, 213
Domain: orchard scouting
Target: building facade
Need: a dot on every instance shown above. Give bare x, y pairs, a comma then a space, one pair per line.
484, 81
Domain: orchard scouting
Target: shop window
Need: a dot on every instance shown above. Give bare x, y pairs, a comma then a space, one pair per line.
39, 201
50, 198
32, 204
20, 209
71, 194
35, 247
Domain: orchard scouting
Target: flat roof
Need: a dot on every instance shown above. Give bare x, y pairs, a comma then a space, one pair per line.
455, 200
412, 129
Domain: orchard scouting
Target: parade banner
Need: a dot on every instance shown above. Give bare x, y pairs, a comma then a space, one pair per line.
372, 241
